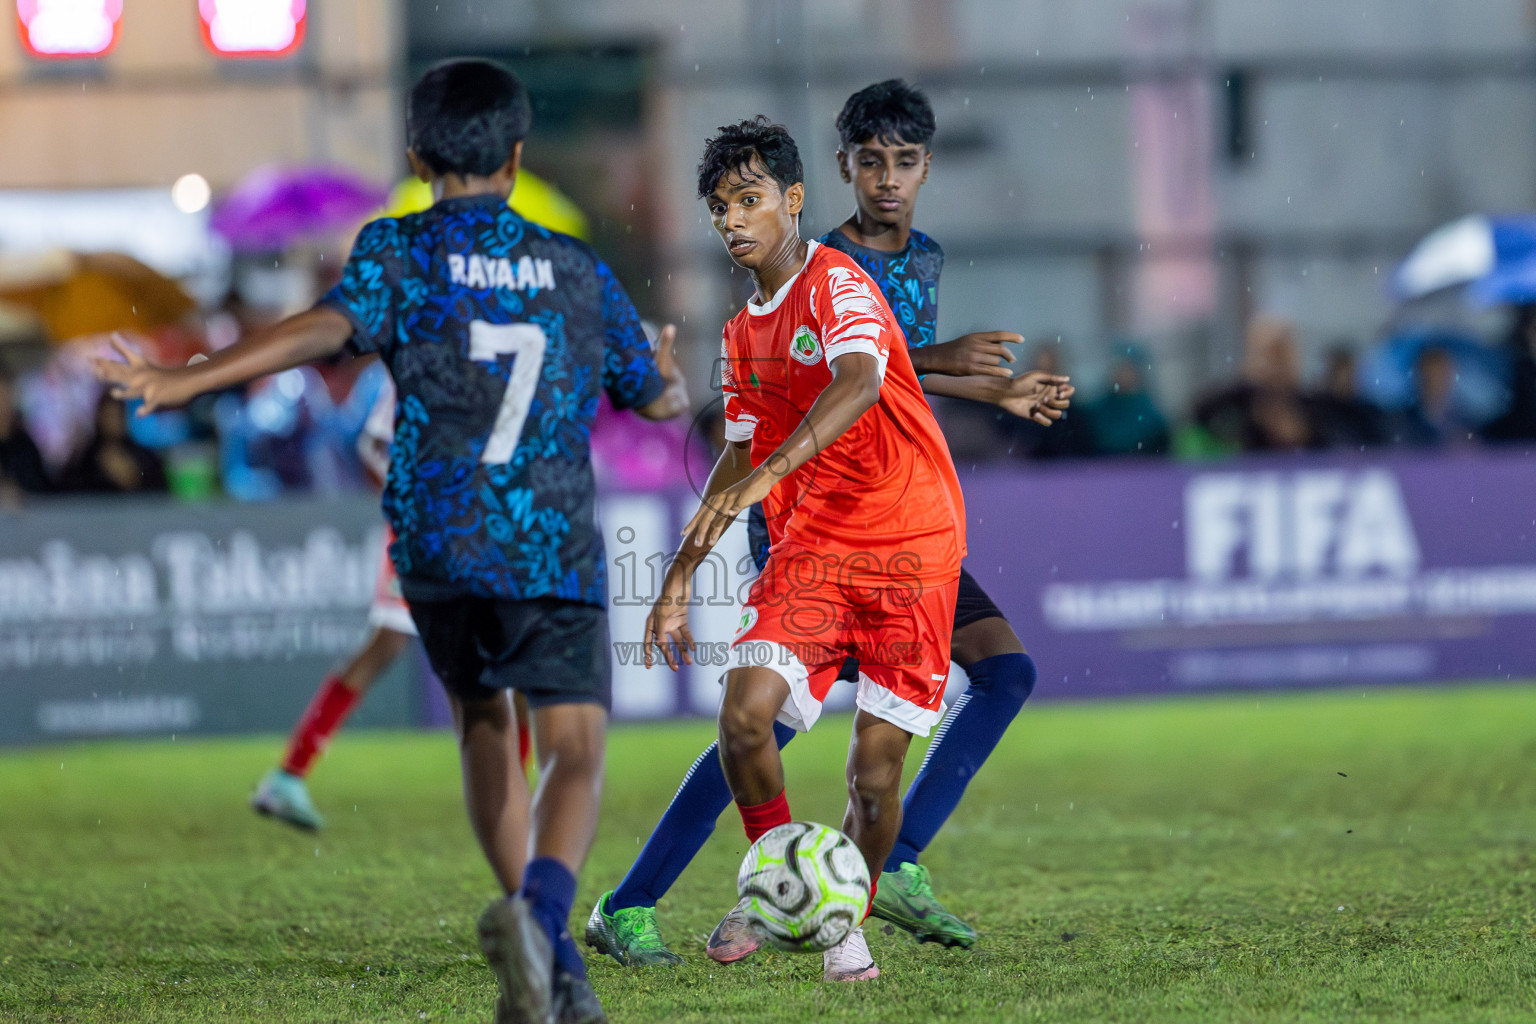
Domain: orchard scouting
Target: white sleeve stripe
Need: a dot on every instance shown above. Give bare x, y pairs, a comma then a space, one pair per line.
857, 318
740, 430
862, 329
842, 348
858, 345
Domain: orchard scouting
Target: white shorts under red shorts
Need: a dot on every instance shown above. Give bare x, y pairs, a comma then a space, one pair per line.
389, 610
803, 627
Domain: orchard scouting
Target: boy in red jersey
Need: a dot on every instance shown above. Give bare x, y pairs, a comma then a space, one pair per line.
824, 414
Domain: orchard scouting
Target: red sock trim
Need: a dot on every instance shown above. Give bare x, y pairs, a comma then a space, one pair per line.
330, 706
874, 883
763, 817
524, 744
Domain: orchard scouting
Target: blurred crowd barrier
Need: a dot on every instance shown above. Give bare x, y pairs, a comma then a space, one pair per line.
145, 616
270, 246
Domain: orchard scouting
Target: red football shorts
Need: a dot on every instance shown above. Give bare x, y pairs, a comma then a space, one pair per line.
803, 625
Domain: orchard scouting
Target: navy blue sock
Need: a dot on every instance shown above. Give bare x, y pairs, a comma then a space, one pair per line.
550, 889
683, 829
969, 733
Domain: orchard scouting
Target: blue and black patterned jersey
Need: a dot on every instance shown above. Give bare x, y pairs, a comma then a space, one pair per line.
908, 279
500, 336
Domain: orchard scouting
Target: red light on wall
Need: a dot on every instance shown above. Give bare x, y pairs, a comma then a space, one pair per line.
68, 28
252, 28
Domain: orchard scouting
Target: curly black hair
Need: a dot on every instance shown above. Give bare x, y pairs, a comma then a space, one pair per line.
891, 111
464, 116
736, 145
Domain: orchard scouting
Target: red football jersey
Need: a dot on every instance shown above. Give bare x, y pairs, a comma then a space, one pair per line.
886, 488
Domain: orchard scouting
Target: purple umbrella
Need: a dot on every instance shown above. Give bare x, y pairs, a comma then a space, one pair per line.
274, 207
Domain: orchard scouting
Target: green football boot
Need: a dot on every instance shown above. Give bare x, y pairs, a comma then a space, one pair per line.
905, 898
285, 797
631, 936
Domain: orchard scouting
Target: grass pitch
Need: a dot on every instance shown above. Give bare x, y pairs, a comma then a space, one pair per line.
1313, 857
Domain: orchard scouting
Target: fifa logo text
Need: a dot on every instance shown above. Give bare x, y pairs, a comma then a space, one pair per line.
1304, 525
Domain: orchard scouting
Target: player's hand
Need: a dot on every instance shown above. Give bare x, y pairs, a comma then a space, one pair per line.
666, 627
1041, 397
718, 512
136, 377
980, 354
666, 356
674, 400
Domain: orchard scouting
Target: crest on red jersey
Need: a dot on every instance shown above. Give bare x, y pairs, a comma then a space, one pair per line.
805, 347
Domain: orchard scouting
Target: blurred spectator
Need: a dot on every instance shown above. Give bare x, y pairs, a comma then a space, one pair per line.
1066, 438
1433, 419
1341, 416
1125, 420
1265, 411
59, 403
112, 462
287, 434
21, 465
975, 432
1518, 422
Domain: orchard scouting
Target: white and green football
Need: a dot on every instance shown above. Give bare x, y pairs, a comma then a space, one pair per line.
805, 886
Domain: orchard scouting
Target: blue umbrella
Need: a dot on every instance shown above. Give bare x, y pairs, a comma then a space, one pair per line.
1493, 257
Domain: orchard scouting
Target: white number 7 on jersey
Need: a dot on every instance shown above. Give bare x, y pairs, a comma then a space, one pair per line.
525, 342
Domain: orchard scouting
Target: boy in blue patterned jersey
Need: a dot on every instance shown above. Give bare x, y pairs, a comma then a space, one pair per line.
884, 133
500, 336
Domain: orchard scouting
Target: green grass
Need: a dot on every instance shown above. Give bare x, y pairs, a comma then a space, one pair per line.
1312, 857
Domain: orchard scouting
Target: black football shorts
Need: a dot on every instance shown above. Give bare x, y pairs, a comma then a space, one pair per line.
551, 651
972, 603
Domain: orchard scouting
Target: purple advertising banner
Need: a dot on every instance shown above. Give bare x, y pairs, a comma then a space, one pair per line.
1297, 571
141, 617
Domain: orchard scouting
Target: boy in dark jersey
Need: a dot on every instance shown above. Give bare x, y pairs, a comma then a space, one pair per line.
884, 132
283, 794
500, 336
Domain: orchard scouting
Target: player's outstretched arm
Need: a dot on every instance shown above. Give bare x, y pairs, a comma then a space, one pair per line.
674, 400
1041, 397
855, 388
980, 354
666, 627
303, 338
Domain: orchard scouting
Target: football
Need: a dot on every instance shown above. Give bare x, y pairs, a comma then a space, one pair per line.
805, 886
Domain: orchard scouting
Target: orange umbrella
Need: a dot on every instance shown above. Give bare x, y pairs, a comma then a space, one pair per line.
102, 292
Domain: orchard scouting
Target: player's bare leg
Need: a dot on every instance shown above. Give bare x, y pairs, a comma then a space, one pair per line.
496, 794
876, 754
985, 639
282, 794
560, 821
571, 740
495, 789
571, 745
749, 753
373, 658
556, 827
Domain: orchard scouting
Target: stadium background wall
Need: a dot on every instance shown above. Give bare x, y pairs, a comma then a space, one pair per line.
132, 617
